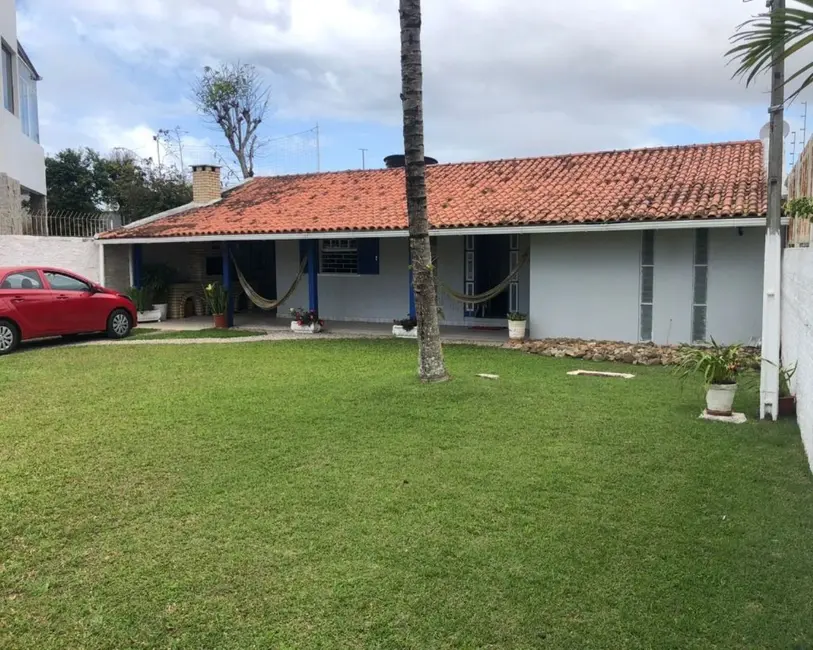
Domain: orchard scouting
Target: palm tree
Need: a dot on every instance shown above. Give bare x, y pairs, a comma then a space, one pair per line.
789, 32
430, 353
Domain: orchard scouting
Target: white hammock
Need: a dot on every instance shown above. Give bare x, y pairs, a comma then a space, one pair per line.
486, 295
257, 299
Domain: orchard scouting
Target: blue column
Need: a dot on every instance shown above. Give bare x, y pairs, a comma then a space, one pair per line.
224, 247
137, 266
411, 287
313, 271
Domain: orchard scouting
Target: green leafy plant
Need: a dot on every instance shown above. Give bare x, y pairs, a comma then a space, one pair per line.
158, 277
306, 316
409, 323
141, 297
517, 315
785, 375
718, 364
800, 208
216, 298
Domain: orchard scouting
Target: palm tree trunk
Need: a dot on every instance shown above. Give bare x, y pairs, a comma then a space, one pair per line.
430, 353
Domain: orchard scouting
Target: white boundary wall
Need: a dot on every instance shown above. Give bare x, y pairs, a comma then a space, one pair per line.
71, 253
797, 334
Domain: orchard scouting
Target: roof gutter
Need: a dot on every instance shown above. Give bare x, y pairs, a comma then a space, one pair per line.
727, 222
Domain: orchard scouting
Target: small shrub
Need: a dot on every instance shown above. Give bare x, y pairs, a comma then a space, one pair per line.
141, 297
216, 298
717, 363
305, 316
517, 315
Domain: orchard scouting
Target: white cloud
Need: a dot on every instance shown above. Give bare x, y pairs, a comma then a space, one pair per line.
502, 77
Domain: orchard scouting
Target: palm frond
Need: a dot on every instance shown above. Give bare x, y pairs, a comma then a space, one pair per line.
756, 39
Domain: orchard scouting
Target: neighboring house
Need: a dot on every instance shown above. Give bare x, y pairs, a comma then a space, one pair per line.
22, 159
661, 245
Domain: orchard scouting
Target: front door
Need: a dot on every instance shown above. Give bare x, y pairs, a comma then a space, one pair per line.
257, 261
491, 266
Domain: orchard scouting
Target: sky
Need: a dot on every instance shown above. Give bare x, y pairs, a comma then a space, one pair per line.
502, 78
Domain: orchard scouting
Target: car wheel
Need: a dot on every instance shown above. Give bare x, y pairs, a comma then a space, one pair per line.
119, 324
9, 337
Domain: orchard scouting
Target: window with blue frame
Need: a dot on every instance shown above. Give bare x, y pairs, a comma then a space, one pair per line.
349, 256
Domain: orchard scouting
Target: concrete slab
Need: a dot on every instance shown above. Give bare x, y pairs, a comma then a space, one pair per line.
734, 418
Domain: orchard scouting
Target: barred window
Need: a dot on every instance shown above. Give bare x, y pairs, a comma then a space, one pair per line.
339, 256
647, 284
701, 288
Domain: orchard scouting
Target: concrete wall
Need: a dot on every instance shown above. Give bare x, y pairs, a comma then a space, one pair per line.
71, 253
587, 285
797, 334
11, 208
20, 157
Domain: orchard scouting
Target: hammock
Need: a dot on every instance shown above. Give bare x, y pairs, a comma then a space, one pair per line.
257, 299
486, 295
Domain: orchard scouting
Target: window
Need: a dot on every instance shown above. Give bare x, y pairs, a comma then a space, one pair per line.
647, 284
60, 282
22, 280
29, 111
701, 285
513, 262
339, 256
8, 77
468, 285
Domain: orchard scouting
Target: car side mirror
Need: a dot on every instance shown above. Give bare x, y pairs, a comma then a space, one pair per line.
94, 288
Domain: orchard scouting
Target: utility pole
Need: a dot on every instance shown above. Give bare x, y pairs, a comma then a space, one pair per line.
157, 148
771, 284
363, 158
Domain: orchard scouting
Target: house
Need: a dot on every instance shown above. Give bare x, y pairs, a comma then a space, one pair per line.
662, 244
22, 159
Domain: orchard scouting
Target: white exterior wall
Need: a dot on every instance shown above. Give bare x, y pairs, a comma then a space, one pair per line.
797, 334
20, 157
587, 285
70, 253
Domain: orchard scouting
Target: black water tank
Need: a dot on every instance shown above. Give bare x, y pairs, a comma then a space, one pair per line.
399, 160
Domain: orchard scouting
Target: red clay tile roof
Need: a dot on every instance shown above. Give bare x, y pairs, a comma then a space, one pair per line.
693, 182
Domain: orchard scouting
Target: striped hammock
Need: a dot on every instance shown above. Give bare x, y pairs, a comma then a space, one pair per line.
264, 303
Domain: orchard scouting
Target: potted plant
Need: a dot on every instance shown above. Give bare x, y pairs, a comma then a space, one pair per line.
787, 401
158, 277
720, 366
516, 325
218, 301
405, 328
306, 321
142, 299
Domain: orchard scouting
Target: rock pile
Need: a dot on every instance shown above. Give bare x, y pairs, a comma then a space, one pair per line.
646, 354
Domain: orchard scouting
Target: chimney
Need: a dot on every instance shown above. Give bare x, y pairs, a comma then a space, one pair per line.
205, 183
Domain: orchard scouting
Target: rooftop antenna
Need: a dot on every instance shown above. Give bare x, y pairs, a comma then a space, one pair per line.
793, 150
363, 158
804, 125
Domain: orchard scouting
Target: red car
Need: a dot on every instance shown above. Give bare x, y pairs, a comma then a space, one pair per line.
36, 302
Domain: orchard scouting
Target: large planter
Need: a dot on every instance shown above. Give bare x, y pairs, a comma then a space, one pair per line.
163, 308
720, 399
787, 406
149, 316
313, 328
516, 329
221, 321
402, 333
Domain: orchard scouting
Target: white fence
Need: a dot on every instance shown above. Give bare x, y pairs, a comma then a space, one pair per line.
72, 253
797, 334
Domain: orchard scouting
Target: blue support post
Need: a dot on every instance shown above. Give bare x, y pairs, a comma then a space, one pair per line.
313, 272
224, 247
137, 281
411, 287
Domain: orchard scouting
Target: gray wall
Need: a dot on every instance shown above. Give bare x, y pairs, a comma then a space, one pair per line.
71, 253
342, 297
587, 285
736, 265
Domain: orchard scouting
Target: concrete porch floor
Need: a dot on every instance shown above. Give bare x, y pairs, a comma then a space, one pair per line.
262, 322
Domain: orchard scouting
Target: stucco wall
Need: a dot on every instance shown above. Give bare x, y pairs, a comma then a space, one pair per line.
587, 285
797, 334
72, 253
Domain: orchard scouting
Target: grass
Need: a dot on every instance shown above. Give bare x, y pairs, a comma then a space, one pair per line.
315, 495
210, 333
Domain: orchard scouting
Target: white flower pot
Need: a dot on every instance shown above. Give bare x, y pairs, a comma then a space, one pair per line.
150, 316
720, 398
516, 329
313, 328
401, 333
163, 308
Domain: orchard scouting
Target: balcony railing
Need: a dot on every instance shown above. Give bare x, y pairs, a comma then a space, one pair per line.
70, 224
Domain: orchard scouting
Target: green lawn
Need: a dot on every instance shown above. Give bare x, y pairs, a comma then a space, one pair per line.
314, 495
154, 333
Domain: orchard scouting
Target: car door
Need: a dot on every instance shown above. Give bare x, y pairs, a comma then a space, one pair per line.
73, 303
29, 301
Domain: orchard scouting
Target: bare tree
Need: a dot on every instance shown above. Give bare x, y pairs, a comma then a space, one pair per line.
430, 353
235, 98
